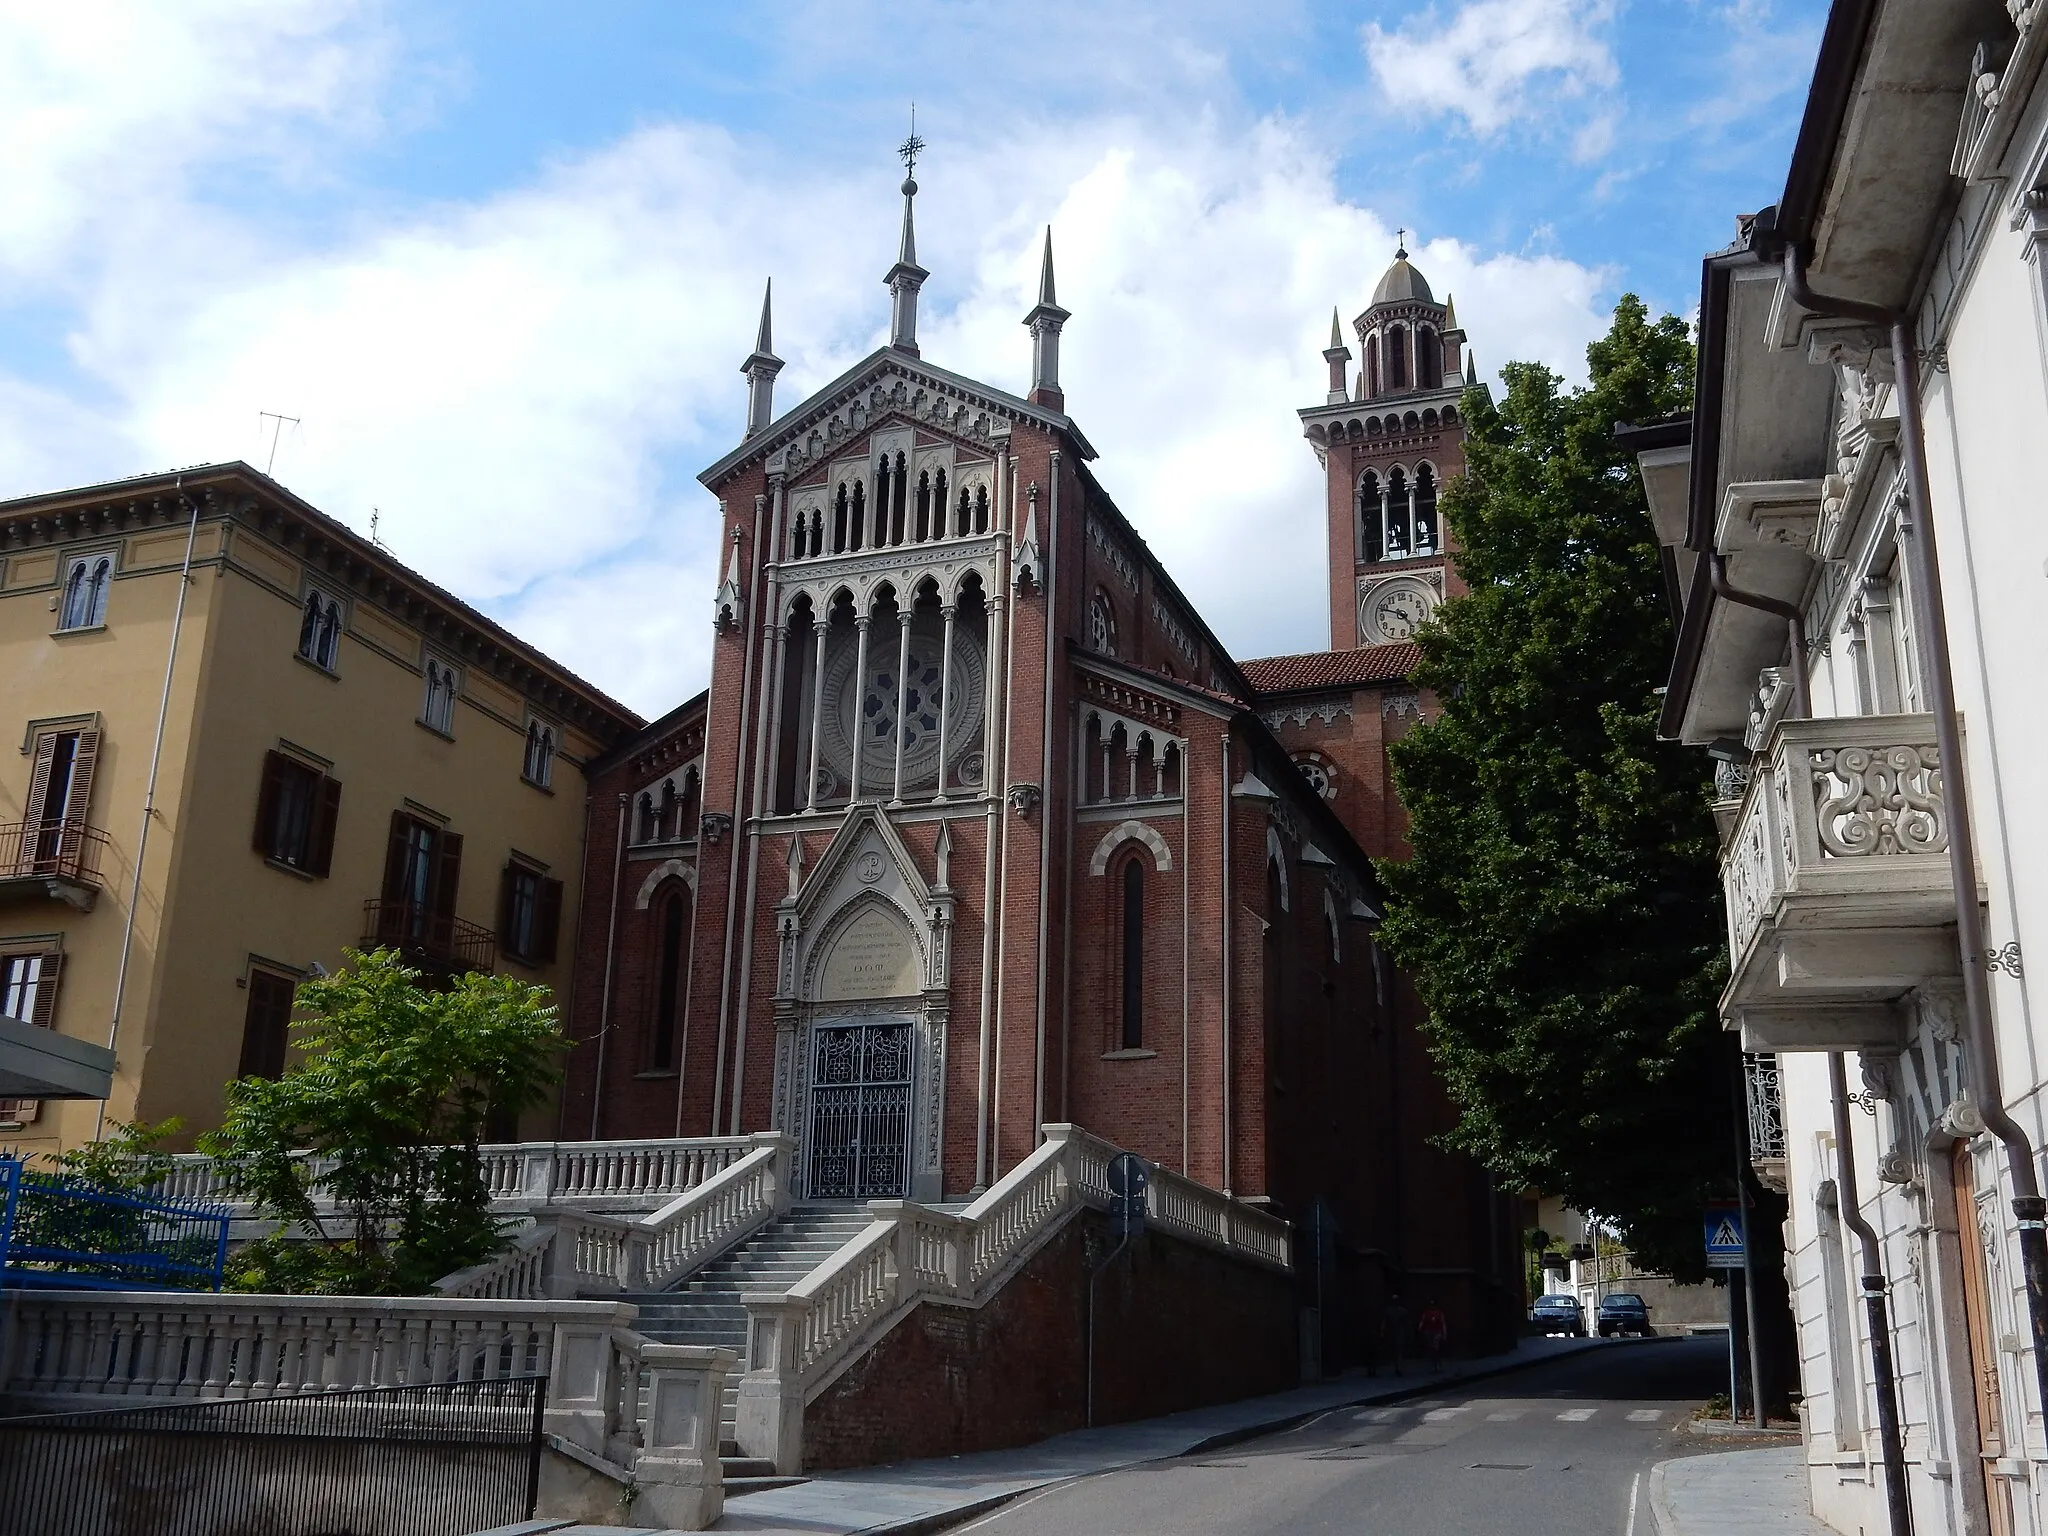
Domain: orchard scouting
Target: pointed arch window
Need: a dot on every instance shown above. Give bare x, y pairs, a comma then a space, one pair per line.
1133, 934
884, 475
1429, 358
662, 1045
1427, 541
1399, 541
961, 513
1372, 366
1397, 358
857, 522
981, 509
320, 630
924, 505
1372, 531
839, 511
538, 768
85, 592
939, 503
1101, 625
899, 484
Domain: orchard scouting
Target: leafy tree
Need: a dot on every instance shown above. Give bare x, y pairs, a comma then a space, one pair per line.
1560, 912
390, 1096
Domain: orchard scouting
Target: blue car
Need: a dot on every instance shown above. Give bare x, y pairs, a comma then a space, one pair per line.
1558, 1313
1623, 1313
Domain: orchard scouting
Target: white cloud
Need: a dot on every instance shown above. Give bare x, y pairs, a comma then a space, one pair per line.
1496, 62
526, 384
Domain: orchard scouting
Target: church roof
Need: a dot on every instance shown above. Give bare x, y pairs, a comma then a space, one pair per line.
1403, 285
1331, 669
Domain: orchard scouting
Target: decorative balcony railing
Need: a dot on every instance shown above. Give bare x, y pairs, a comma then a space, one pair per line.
432, 940
66, 850
1843, 826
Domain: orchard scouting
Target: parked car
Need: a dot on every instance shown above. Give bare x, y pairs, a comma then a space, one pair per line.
1623, 1313
1558, 1313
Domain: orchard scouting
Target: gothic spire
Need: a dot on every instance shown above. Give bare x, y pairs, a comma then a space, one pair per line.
1338, 356
906, 277
760, 368
1045, 320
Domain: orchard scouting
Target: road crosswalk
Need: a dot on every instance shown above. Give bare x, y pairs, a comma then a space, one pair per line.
1434, 1412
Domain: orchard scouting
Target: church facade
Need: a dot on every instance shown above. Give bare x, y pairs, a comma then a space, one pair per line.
978, 827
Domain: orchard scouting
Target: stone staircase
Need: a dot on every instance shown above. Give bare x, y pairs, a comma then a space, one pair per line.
706, 1308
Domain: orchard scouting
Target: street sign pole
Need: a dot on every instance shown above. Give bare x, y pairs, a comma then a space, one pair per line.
1728, 1249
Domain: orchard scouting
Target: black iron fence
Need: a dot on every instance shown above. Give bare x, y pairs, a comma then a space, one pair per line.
422, 1460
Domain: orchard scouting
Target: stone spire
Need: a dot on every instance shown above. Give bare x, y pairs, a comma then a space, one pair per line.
1045, 321
906, 277
760, 369
1337, 355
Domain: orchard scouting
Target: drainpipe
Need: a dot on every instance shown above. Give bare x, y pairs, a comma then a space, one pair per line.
1898, 1508
1923, 560
156, 757
611, 946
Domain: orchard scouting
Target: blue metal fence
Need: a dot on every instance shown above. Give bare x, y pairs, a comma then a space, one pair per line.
58, 1232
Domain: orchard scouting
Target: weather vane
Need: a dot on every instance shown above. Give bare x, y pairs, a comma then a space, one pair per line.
911, 147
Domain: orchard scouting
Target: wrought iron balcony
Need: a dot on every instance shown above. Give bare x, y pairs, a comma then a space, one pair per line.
51, 860
430, 940
1766, 1106
1837, 885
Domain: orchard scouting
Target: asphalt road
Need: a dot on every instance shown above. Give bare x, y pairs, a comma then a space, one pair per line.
1556, 1450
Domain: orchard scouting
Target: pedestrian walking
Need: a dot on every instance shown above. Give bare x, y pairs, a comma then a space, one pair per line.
1435, 1329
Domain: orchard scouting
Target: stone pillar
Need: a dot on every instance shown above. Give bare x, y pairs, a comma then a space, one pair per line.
903, 616
945, 691
677, 1471
769, 1415
821, 622
860, 688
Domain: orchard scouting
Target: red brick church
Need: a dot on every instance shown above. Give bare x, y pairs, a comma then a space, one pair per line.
979, 827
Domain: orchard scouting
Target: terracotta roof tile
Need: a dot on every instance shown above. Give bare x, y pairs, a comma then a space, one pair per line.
1331, 669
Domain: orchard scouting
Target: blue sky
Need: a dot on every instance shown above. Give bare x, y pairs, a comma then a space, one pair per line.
503, 259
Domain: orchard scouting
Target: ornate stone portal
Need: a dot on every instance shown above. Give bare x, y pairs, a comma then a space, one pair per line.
860, 1016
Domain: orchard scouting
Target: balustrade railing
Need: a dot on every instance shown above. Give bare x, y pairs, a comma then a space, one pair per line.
62, 850
1847, 811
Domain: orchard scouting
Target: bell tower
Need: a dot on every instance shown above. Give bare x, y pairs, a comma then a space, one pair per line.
1387, 443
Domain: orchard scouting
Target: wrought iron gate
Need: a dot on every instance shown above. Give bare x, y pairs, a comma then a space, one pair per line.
860, 1111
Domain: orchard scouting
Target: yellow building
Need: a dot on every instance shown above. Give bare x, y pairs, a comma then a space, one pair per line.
220, 782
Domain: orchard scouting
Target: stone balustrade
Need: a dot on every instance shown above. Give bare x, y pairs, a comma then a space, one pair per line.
1836, 882
622, 1411
631, 1176
798, 1340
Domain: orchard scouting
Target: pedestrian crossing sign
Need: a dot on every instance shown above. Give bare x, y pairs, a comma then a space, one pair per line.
1724, 1237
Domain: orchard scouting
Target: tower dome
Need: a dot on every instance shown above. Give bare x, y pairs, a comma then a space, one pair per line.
1403, 284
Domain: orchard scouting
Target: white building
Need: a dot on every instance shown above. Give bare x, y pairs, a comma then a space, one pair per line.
1896, 506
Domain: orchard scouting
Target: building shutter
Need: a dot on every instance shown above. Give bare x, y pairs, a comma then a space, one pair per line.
547, 923
83, 762
507, 879
39, 784
274, 770
266, 1027
44, 1015
326, 812
447, 877
394, 857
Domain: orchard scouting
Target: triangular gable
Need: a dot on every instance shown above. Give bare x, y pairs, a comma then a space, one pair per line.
866, 865
886, 383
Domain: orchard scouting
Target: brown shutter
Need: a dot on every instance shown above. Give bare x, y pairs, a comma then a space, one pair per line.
266, 1026
394, 857
45, 1012
83, 762
326, 812
39, 784
547, 924
506, 878
274, 770
447, 876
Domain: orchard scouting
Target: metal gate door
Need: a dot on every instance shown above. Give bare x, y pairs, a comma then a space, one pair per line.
860, 1112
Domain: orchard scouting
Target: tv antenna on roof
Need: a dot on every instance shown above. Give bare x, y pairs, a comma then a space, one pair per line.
276, 431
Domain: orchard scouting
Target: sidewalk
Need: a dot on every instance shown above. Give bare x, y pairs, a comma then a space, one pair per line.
1734, 1493
915, 1496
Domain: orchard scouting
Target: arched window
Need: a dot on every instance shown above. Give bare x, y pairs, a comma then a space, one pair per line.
883, 477
1101, 625
646, 819
939, 503
665, 819
1372, 532
663, 1051
1372, 366
898, 496
320, 630
924, 505
981, 509
437, 708
1397, 359
539, 767
1399, 543
1429, 358
693, 802
839, 510
1134, 953
1426, 540
961, 513
857, 521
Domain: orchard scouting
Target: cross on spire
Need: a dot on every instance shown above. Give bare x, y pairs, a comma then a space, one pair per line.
911, 147
1401, 244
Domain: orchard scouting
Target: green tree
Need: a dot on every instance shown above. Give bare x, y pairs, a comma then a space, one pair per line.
391, 1093
1560, 912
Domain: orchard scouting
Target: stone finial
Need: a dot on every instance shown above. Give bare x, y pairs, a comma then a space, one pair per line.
906, 277
1338, 356
1045, 321
760, 369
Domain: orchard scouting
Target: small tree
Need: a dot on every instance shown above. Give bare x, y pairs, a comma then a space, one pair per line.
390, 1098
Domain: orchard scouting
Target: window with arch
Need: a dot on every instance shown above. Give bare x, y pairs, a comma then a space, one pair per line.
1400, 543
923, 523
1372, 365
1429, 358
673, 913
437, 706
85, 592
1101, 625
538, 769
981, 509
1397, 358
1132, 1034
1426, 540
320, 630
1372, 531
839, 515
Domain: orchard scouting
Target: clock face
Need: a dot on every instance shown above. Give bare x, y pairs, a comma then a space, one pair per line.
1396, 612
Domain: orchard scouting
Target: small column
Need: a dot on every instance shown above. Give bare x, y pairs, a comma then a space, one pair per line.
820, 624
1133, 755
1108, 783
860, 686
902, 693
993, 610
946, 612
1159, 774
1386, 524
